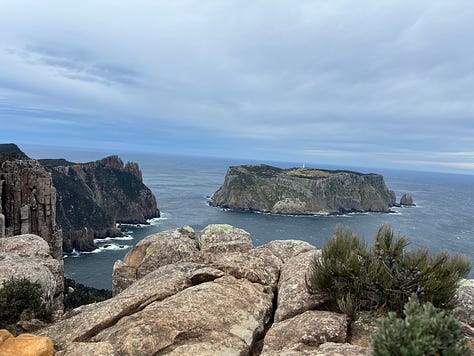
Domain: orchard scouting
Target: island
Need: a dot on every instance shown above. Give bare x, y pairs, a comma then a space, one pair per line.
302, 191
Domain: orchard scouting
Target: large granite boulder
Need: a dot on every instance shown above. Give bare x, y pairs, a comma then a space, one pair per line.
293, 295
302, 191
311, 328
28, 256
151, 253
224, 238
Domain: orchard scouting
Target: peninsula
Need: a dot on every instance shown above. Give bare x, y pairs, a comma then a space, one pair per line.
302, 191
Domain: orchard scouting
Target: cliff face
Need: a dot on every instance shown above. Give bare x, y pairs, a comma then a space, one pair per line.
94, 196
302, 191
28, 202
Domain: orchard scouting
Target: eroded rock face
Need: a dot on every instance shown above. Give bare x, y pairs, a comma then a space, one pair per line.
224, 238
28, 202
302, 191
94, 196
27, 256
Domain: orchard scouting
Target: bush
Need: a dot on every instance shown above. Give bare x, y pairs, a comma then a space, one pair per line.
17, 296
424, 330
354, 277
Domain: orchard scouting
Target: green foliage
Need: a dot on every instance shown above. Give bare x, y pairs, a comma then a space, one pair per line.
424, 330
82, 294
385, 276
17, 296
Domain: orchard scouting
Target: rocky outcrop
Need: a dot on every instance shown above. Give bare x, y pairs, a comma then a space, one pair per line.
28, 256
407, 200
186, 292
302, 191
93, 197
180, 294
28, 202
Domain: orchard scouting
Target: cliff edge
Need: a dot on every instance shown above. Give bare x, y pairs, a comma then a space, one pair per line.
302, 191
94, 196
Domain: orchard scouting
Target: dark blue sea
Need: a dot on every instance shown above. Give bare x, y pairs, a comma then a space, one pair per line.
442, 219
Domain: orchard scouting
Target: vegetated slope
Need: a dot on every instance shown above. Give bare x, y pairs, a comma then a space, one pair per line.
302, 191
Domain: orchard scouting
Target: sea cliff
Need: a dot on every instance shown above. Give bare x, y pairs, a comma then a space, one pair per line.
93, 197
304, 191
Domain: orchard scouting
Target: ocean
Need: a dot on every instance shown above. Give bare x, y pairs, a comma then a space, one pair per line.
442, 218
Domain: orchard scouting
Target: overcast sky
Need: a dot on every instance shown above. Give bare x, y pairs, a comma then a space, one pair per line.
356, 83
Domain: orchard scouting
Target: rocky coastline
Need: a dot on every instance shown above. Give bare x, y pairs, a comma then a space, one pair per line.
302, 191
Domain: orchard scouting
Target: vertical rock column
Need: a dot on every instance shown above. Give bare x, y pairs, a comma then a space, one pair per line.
28, 203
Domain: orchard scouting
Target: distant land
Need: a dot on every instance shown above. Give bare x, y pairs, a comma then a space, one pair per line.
303, 191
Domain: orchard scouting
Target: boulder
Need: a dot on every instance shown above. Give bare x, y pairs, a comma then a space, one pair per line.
27, 345
234, 311
293, 295
258, 265
151, 253
29, 256
17, 266
407, 200
156, 286
104, 348
224, 238
312, 328
466, 302
286, 249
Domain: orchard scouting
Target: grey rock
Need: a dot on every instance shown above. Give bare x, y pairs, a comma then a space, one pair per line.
151, 253
312, 328
157, 285
293, 295
286, 249
466, 302
28, 202
407, 199
224, 238
234, 310
104, 348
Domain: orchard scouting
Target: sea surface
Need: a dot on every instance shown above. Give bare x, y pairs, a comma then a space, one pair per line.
442, 219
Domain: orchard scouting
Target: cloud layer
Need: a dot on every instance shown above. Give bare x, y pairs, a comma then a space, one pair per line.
386, 83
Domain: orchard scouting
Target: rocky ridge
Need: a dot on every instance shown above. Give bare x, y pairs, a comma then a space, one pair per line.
182, 292
302, 191
93, 197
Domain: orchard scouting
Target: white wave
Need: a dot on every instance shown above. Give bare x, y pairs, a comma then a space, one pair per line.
117, 238
108, 247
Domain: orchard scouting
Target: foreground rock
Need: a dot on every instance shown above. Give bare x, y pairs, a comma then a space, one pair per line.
182, 294
302, 191
28, 256
25, 345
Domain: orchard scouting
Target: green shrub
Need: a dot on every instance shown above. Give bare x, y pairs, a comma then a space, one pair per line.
354, 277
17, 296
424, 330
